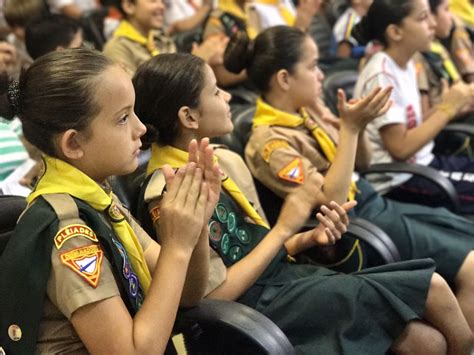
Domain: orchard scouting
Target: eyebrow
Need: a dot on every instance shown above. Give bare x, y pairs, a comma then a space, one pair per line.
126, 108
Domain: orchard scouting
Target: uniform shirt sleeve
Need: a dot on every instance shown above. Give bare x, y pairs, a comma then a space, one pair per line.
421, 74
120, 53
462, 50
285, 168
67, 289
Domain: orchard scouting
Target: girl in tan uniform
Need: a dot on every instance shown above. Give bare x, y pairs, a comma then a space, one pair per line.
79, 274
290, 144
321, 311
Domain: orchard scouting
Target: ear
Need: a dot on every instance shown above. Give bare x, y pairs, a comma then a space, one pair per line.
69, 145
394, 33
129, 7
283, 79
188, 117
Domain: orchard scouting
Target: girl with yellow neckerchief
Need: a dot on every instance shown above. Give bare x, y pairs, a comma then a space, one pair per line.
290, 143
77, 260
140, 36
253, 16
321, 311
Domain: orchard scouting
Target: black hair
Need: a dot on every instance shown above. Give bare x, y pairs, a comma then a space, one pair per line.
381, 14
276, 48
45, 34
163, 85
56, 93
434, 4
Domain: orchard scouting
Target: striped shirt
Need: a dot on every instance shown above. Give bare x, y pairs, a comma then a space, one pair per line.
12, 151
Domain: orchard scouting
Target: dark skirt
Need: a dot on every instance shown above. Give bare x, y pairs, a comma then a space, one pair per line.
325, 312
419, 231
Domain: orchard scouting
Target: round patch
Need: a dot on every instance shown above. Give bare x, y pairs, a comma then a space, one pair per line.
221, 212
115, 214
126, 269
231, 222
14, 332
133, 285
235, 253
215, 231
225, 244
243, 235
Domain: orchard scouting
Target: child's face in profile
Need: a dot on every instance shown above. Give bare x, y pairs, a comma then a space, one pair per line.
213, 114
148, 14
111, 143
443, 20
306, 79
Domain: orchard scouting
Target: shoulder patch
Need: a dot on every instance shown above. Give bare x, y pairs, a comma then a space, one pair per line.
71, 231
85, 261
293, 172
271, 146
463, 54
155, 213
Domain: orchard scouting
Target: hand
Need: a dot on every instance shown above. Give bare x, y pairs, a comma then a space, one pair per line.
203, 156
460, 96
358, 113
333, 223
325, 114
212, 49
7, 56
30, 177
183, 207
306, 10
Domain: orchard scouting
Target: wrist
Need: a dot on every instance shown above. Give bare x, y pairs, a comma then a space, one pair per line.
448, 110
350, 128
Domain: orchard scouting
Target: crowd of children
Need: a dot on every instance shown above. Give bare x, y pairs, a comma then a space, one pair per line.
82, 273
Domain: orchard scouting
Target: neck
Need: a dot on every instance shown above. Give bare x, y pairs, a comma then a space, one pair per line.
182, 141
280, 101
400, 55
142, 29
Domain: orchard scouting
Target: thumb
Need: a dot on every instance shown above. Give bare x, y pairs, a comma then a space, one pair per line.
341, 100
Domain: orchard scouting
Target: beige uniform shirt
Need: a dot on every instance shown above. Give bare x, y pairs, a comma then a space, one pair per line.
132, 54
461, 48
284, 157
428, 82
67, 291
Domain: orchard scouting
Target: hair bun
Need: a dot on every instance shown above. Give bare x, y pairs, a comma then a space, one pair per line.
13, 95
239, 52
362, 32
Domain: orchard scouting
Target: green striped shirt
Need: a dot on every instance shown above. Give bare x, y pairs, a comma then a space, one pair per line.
12, 151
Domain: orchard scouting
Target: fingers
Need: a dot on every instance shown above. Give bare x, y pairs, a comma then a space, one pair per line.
365, 100
335, 218
193, 151
341, 100
173, 181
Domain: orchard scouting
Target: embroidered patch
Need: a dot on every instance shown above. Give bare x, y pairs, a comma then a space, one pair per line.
115, 214
293, 172
85, 261
271, 146
155, 213
463, 54
71, 231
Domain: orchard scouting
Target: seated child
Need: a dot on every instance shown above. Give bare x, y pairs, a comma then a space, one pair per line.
368, 311
79, 275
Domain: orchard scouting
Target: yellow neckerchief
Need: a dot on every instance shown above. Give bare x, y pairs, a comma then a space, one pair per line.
286, 14
126, 30
438, 48
266, 115
62, 178
176, 158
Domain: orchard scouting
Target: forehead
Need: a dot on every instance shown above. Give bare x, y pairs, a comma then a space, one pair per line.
309, 50
418, 6
114, 89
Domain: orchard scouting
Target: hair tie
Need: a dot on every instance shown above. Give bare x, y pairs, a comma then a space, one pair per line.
13, 95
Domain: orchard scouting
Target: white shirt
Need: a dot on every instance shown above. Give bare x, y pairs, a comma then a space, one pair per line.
177, 10
85, 5
269, 15
344, 25
382, 70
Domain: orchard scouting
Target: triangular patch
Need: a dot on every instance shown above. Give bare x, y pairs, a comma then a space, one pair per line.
293, 172
85, 261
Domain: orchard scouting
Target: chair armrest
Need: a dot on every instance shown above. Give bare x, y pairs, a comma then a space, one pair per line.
465, 128
420, 170
242, 319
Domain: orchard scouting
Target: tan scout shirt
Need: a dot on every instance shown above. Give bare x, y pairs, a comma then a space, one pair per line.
132, 54
267, 164
67, 291
428, 82
461, 48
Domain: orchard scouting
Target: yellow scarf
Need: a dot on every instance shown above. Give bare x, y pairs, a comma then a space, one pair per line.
176, 158
266, 115
438, 48
126, 30
62, 178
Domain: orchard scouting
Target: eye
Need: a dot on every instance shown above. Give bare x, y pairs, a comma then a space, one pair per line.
123, 119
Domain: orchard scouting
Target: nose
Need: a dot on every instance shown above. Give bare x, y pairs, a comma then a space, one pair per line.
320, 74
161, 5
227, 95
139, 128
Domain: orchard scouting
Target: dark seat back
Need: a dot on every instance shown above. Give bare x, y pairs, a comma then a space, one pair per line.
11, 208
